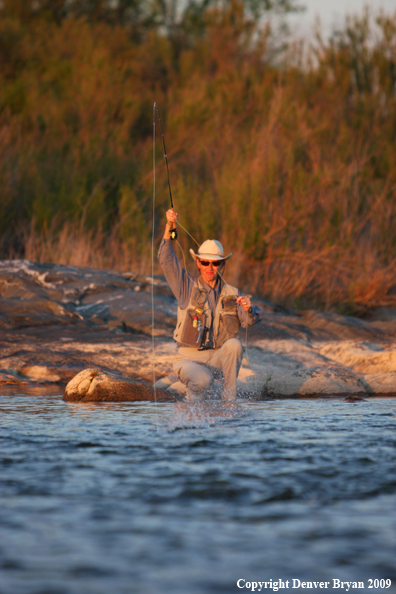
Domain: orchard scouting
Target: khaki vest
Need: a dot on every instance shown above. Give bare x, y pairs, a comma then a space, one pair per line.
225, 320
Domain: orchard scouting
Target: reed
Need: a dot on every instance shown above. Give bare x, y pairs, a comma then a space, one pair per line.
291, 165
79, 247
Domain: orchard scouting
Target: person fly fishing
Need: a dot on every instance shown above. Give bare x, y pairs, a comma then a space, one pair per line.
210, 313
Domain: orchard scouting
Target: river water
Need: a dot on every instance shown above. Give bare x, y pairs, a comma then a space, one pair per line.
134, 498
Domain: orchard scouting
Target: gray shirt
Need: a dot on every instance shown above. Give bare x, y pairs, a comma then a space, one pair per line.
181, 284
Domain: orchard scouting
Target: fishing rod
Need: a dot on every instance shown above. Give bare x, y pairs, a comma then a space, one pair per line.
173, 232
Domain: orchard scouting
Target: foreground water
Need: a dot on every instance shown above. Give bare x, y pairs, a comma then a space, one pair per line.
127, 498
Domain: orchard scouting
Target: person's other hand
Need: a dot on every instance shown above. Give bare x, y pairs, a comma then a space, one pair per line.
245, 302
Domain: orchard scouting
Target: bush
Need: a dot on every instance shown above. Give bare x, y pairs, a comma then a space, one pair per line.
289, 165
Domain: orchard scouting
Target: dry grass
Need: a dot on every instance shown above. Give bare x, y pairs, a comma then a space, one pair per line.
350, 284
291, 167
76, 247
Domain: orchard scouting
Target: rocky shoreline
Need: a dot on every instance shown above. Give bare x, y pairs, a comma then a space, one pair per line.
58, 321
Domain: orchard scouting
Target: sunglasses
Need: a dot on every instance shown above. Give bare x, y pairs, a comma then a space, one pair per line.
216, 263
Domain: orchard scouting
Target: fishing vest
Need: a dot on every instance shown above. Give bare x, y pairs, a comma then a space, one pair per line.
194, 322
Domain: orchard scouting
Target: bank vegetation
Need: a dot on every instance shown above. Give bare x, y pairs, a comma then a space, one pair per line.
285, 154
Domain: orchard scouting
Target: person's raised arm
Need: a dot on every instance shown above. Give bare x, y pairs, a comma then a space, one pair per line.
179, 280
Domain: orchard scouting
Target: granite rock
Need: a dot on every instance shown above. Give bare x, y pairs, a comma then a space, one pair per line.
57, 321
91, 385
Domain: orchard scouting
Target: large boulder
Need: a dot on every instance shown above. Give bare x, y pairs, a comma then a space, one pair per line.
379, 384
305, 383
91, 385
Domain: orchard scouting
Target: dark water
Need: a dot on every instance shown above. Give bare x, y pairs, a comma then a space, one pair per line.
93, 499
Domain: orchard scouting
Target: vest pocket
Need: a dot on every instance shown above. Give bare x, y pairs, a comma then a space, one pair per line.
228, 327
231, 323
191, 332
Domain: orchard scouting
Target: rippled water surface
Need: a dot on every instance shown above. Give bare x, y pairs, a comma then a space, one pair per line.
126, 498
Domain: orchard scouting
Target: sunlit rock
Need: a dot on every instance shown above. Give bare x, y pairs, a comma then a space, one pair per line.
379, 384
56, 321
40, 373
319, 381
91, 385
363, 357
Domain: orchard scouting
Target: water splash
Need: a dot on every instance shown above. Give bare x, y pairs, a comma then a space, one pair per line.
204, 414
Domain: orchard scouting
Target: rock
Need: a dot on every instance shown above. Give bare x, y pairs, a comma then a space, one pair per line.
319, 381
331, 325
379, 384
35, 295
91, 385
10, 377
40, 373
362, 357
56, 321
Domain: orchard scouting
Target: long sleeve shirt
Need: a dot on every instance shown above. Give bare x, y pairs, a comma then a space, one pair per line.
182, 282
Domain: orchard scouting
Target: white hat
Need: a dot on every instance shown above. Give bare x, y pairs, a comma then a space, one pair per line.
210, 250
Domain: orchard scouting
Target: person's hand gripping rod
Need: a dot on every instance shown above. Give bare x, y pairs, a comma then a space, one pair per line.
171, 220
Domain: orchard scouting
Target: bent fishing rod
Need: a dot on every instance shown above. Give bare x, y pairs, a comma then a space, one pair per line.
173, 231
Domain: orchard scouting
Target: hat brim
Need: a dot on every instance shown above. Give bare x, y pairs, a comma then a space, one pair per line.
209, 257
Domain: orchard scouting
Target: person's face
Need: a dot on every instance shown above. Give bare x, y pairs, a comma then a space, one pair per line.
209, 270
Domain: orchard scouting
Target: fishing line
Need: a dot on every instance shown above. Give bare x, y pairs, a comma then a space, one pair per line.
152, 276
187, 234
246, 334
